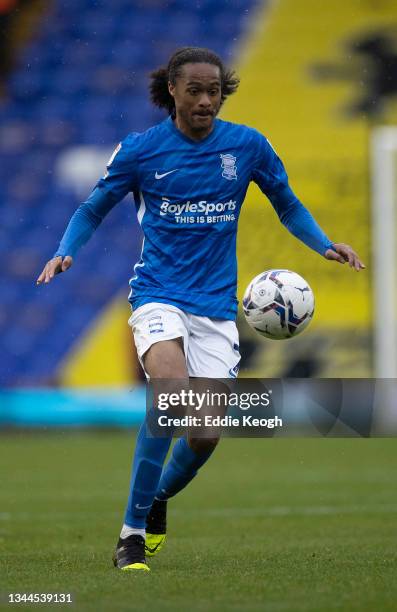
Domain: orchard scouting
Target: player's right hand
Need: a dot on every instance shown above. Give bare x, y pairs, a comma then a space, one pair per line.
54, 266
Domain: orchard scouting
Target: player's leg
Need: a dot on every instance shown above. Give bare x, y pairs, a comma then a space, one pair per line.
164, 359
213, 352
186, 459
188, 455
191, 452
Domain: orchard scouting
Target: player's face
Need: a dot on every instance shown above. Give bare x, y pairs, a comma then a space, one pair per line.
197, 95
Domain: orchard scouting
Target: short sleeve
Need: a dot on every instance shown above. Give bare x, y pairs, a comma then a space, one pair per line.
268, 172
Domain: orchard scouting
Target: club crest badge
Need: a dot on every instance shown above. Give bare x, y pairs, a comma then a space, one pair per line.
228, 163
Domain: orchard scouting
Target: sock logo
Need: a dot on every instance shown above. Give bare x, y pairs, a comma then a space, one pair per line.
139, 507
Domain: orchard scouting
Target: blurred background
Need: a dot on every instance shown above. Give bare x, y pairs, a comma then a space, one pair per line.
318, 79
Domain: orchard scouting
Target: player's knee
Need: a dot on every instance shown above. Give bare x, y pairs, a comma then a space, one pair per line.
166, 360
203, 446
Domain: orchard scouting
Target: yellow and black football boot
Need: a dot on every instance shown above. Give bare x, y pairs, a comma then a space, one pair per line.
130, 554
156, 527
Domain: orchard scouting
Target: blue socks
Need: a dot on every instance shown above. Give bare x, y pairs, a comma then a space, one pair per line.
180, 469
149, 457
148, 481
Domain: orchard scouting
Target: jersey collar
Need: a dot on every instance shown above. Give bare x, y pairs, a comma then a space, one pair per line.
171, 125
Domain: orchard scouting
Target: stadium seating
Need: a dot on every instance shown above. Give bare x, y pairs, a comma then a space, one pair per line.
82, 79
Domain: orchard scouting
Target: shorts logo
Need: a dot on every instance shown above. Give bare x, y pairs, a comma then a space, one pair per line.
233, 372
228, 165
156, 325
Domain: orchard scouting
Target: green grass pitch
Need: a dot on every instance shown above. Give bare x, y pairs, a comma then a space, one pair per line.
277, 525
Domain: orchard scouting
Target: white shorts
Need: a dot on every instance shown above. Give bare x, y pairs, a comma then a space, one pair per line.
211, 346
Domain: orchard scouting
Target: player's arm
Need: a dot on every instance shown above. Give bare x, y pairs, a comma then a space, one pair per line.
299, 221
120, 178
270, 175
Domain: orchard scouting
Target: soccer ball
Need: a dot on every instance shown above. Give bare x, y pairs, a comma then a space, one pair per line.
278, 304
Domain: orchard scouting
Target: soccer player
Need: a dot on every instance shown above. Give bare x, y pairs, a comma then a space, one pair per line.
189, 176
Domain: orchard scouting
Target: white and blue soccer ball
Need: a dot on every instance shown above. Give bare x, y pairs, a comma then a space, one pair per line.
278, 304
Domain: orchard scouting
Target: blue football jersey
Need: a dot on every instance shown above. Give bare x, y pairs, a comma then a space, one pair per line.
188, 196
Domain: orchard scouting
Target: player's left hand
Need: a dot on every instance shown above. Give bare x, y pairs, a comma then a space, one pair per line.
343, 253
